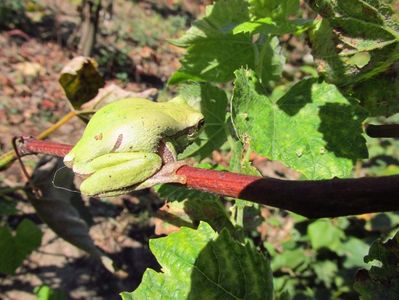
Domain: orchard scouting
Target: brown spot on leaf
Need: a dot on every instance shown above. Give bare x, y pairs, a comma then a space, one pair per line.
99, 137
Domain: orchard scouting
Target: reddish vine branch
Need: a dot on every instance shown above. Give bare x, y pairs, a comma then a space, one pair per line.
313, 199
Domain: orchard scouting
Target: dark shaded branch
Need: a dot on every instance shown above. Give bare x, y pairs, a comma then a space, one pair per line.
313, 199
382, 131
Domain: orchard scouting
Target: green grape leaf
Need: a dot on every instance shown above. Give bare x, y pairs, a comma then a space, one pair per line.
212, 102
270, 65
15, 248
290, 259
349, 29
380, 282
313, 128
213, 51
274, 27
354, 250
380, 94
272, 17
323, 234
201, 264
277, 9
326, 271
194, 206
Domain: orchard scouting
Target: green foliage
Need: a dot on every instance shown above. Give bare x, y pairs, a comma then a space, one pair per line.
300, 128
382, 280
7, 207
323, 234
194, 206
201, 264
384, 154
10, 12
240, 71
378, 94
357, 47
313, 125
212, 102
224, 41
44, 292
359, 28
319, 264
275, 9
213, 51
14, 248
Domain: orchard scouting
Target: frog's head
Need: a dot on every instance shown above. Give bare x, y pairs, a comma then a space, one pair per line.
190, 133
190, 119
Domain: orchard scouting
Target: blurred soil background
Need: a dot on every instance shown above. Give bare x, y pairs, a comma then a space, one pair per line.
37, 38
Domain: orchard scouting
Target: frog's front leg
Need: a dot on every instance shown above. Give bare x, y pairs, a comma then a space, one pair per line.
167, 174
115, 173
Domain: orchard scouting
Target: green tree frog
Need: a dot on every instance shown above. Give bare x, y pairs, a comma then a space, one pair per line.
132, 144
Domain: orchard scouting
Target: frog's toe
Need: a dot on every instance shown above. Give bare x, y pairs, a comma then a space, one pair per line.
82, 169
68, 160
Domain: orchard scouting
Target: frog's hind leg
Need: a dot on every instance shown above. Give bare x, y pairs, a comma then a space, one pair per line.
167, 174
114, 172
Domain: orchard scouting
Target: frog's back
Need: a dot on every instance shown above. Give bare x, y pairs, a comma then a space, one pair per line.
128, 125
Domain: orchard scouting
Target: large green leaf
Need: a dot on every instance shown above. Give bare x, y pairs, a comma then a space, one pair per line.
273, 27
349, 31
15, 248
194, 206
380, 94
290, 260
200, 264
277, 9
323, 234
354, 250
273, 17
212, 102
270, 62
213, 51
380, 282
326, 271
225, 40
313, 128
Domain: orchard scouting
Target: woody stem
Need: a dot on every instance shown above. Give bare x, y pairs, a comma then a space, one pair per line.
313, 198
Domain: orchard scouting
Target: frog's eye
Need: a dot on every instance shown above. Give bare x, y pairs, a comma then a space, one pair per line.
200, 123
193, 130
